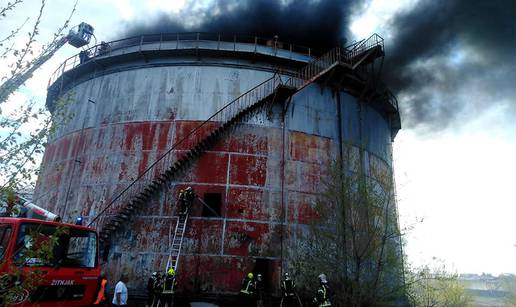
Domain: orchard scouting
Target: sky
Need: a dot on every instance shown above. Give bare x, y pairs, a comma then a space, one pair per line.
453, 158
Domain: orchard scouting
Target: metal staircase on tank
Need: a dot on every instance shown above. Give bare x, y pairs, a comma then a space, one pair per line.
158, 176
365, 51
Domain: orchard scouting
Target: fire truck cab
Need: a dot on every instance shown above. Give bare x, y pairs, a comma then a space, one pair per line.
67, 275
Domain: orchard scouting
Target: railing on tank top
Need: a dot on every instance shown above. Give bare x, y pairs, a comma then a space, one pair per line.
180, 41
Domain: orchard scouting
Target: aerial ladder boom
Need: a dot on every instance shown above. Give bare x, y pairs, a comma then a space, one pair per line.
76, 37
15, 205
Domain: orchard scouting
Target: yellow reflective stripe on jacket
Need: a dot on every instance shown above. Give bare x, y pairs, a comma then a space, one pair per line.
246, 290
326, 302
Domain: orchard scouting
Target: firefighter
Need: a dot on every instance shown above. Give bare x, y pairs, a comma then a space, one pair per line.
186, 198
101, 296
322, 298
288, 286
103, 48
248, 286
189, 197
259, 288
182, 202
152, 285
169, 285
288, 290
84, 56
158, 288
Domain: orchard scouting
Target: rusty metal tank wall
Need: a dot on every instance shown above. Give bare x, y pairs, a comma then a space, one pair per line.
267, 171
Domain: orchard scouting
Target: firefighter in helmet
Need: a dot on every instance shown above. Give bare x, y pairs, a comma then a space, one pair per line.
248, 286
259, 288
322, 298
169, 285
288, 286
288, 290
182, 202
186, 198
190, 197
153, 289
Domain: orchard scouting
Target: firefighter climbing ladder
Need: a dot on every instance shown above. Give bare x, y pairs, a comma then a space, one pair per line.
179, 234
156, 178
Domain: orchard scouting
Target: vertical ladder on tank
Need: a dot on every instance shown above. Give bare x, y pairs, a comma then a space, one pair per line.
177, 242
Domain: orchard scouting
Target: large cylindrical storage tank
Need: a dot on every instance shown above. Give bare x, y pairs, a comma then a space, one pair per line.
128, 103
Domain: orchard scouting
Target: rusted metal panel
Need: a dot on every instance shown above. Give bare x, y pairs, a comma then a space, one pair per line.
303, 177
252, 239
203, 236
213, 274
301, 207
248, 141
248, 170
211, 167
309, 148
254, 204
146, 235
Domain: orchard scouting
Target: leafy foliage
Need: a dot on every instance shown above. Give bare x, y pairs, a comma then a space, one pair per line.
18, 283
436, 287
508, 285
24, 132
355, 238
25, 129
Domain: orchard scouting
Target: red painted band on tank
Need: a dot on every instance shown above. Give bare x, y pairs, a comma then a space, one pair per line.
301, 208
251, 239
248, 170
211, 167
256, 204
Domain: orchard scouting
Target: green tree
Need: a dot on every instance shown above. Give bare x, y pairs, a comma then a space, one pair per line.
436, 287
38, 247
508, 285
24, 132
25, 129
355, 238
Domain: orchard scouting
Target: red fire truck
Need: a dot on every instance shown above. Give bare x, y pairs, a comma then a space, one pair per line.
68, 275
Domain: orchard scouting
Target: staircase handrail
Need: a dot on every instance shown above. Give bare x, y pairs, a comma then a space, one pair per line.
372, 41
316, 66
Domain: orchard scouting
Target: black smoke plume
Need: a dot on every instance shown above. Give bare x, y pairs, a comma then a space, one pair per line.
318, 24
453, 59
